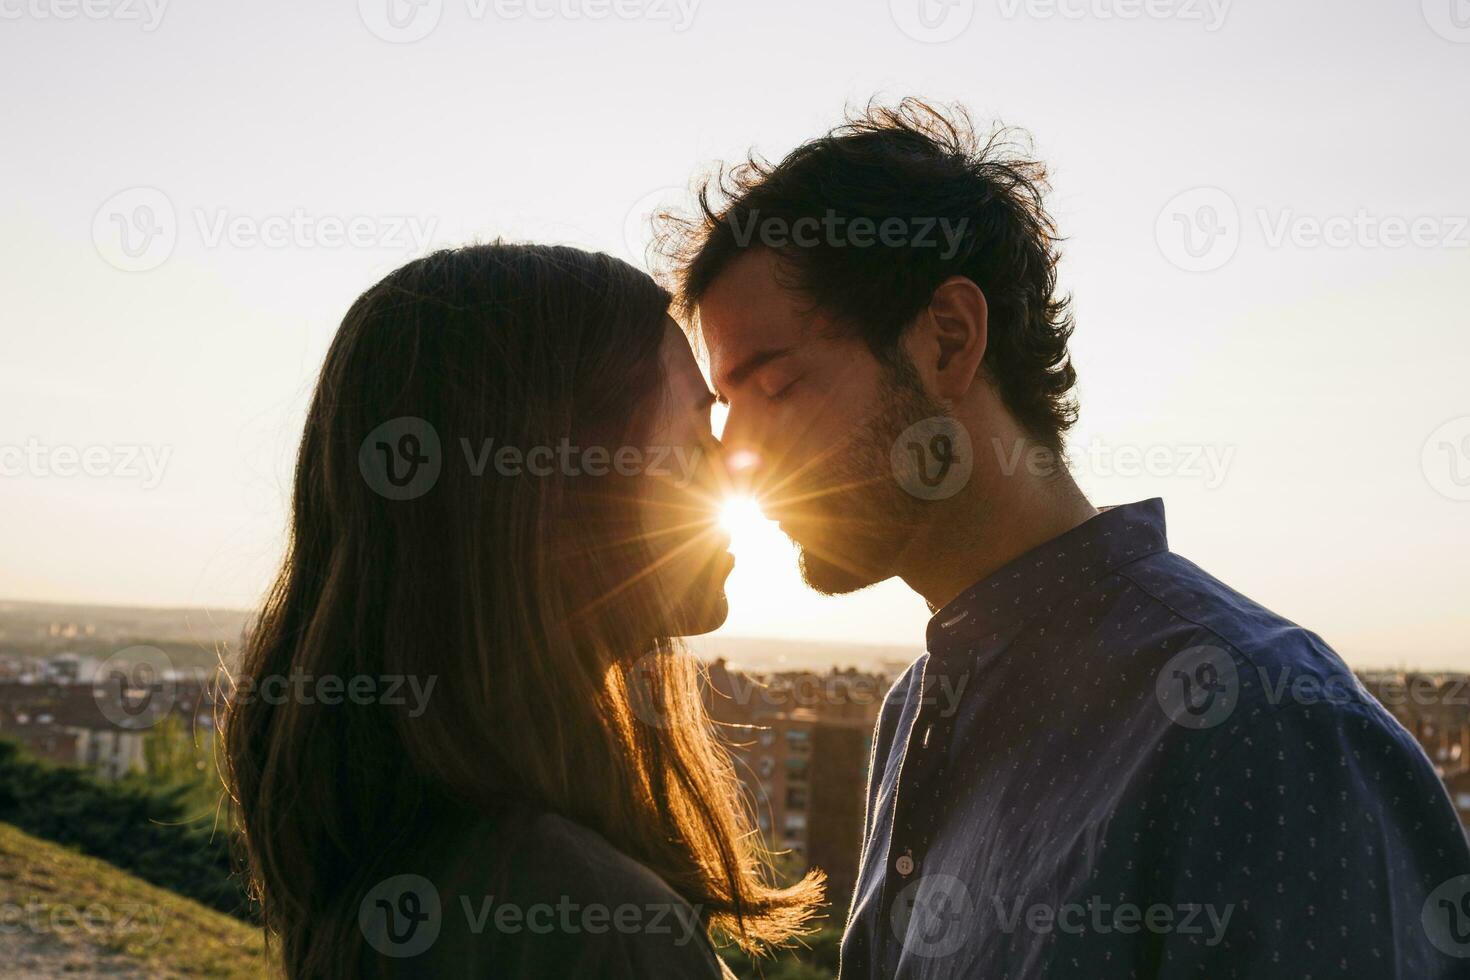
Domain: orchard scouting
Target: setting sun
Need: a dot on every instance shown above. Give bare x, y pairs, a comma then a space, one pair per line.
765, 582
742, 518
764, 552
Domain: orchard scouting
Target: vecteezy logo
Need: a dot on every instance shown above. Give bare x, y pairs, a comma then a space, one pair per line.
135, 688
401, 916
932, 459
1446, 917
401, 458
932, 21
1199, 687
1450, 19
136, 230
401, 21
932, 915
1199, 230
1446, 459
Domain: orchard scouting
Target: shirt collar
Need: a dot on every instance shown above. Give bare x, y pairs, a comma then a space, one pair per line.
1035, 581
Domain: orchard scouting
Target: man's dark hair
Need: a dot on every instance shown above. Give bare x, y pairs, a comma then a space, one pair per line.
969, 207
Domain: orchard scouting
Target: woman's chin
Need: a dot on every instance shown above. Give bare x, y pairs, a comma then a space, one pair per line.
706, 616
715, 613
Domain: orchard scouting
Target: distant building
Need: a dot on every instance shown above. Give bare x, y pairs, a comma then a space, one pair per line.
838, 801
42, 739
801, 744
69, 668
65, 723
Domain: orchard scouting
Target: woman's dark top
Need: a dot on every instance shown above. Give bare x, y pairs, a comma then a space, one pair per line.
535, 896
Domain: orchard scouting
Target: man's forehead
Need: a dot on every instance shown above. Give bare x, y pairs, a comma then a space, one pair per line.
732, 337
747, 311
736, 353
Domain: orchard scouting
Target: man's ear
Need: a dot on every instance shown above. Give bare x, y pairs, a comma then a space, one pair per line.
948, 343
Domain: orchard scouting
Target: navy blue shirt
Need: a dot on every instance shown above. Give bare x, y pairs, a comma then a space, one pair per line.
1111, 765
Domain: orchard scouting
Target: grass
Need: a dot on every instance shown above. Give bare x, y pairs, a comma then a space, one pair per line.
66, 911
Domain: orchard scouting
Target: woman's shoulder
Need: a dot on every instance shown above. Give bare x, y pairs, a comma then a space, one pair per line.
530, 894
553, 850
545, 857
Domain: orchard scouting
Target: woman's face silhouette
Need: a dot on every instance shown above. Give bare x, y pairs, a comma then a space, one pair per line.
682, 494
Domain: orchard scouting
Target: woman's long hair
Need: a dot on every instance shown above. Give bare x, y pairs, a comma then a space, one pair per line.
554, 680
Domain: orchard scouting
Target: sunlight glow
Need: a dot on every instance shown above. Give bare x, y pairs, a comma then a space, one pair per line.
766, 556
742, 518
765, 582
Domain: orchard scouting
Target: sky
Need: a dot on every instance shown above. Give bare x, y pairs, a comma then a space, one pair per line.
1265, 206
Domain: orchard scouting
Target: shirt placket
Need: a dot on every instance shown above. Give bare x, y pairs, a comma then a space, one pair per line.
917, 806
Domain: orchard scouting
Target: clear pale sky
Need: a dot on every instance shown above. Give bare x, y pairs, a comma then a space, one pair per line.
1319, 374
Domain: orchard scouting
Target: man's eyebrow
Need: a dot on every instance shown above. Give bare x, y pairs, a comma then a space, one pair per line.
754, 363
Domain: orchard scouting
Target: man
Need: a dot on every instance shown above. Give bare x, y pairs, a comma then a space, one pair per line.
1144, 774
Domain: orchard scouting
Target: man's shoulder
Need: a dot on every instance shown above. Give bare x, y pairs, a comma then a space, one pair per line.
1237, 678
1222, 664
1195, 608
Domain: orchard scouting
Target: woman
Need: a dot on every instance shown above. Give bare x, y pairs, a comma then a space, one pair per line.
494, 760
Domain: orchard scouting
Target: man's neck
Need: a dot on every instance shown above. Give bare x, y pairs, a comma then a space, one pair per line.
992, 525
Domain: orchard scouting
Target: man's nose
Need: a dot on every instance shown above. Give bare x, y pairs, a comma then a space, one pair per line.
743, 453
742, 468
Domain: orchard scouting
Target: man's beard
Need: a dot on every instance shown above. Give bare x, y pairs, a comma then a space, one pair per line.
867, 522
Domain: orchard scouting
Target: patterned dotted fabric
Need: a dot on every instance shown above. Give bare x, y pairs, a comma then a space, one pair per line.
1111, 765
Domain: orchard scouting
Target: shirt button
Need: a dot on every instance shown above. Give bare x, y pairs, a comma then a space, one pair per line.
904, 865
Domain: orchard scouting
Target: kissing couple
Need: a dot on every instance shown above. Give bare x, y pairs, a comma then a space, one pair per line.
1129, 786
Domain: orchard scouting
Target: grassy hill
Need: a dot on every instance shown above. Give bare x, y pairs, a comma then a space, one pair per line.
63, 914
